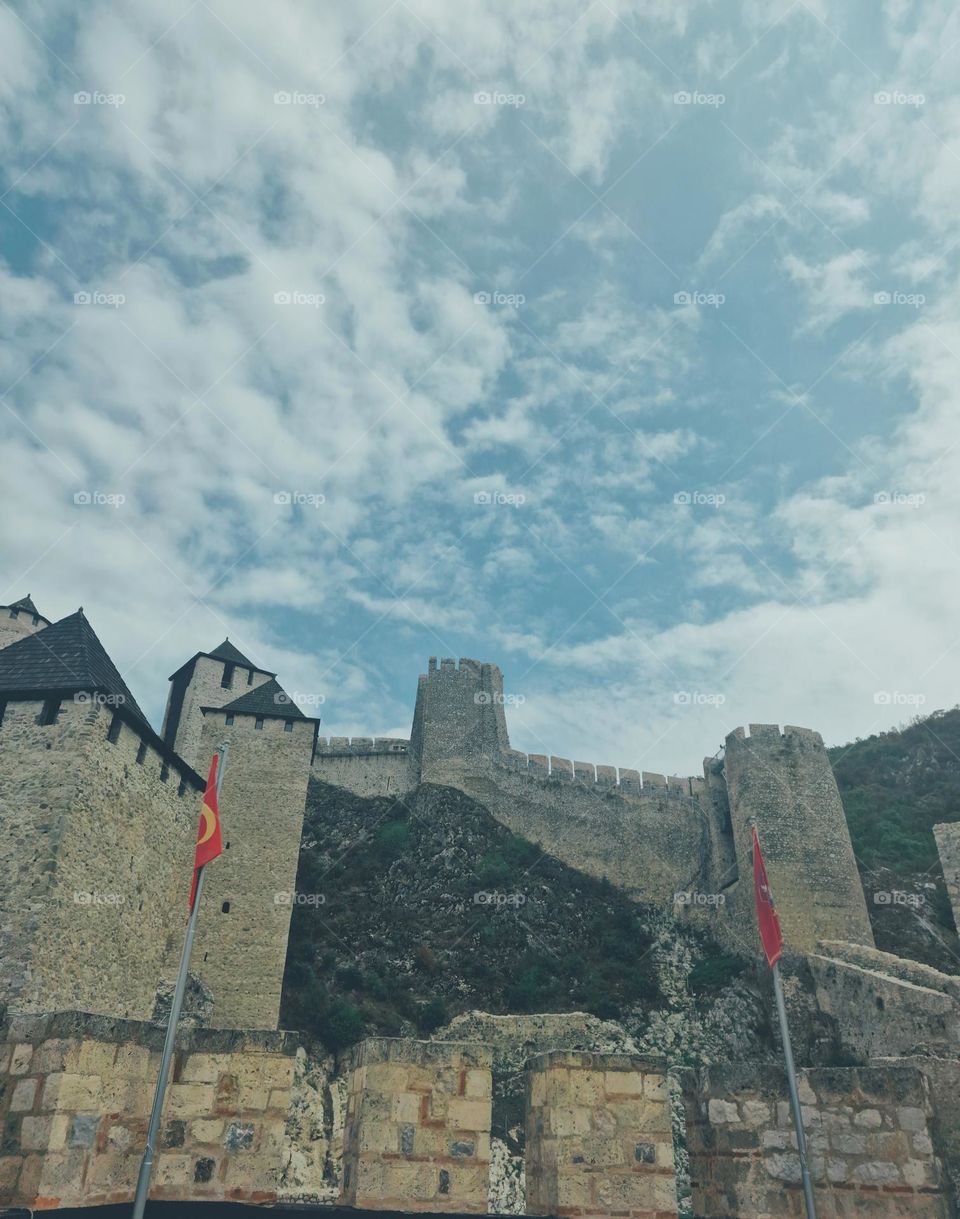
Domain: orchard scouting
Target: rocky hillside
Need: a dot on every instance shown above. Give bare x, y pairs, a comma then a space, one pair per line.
411, 911
895, 787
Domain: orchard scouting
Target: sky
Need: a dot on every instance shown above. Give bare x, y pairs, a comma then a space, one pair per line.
615, 343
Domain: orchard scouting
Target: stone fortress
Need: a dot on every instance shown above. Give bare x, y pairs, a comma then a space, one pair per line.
97, 829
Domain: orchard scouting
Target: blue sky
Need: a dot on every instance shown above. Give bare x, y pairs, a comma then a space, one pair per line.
613, 343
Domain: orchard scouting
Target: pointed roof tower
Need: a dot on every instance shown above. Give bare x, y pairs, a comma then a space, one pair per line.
226, 651
269, 699
65, 658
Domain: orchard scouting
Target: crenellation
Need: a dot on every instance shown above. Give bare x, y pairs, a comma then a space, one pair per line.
607, 775
561, 768
765, 732
650, 779
585, 772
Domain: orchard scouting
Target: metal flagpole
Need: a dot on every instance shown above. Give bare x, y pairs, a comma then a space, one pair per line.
146, 1164
794, 1095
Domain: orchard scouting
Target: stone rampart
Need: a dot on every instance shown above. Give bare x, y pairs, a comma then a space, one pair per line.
77, 1092
870, 1140
417, 1132
367, 766
598, 1136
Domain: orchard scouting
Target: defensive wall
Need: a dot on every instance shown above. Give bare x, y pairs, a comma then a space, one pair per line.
656, 836
606, 1134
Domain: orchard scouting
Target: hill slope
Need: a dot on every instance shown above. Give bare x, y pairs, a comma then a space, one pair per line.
895, 787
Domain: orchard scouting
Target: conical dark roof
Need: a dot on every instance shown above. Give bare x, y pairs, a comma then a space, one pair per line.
26, 603
270, 698
226, 651
65, 657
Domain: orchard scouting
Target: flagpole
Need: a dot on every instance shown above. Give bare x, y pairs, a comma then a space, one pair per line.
146, 1164
794, 1095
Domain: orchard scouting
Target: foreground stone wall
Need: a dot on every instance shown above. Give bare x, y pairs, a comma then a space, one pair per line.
599, 1139
96, 842
418, 1127
76, 1097
869, 1133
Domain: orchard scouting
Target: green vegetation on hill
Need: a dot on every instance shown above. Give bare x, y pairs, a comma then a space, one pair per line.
895, 787
413, 910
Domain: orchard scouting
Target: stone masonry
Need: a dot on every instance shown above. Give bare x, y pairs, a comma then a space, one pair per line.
948, 845
418, 1127
85, 915
599, 1139
869, 1133
242, 931
76, 1094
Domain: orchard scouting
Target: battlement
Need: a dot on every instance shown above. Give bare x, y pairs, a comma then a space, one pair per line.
449, 664
614, 778
349, 747
770, 734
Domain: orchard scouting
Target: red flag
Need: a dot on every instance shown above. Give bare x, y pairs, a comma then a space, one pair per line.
770, 934
209, 838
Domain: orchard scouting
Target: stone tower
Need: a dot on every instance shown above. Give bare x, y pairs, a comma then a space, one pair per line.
458, 714
208, 679
221, 697
786, 783
19, 619
97, 824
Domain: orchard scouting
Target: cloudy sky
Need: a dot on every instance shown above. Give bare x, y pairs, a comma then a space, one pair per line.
616, 343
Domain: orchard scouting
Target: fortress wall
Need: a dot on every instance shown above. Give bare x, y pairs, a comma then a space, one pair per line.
364, 765
870, 1135
100, 851
417, 1134
652, 843
261, 805
77, 1092
785, 782
204, 690
564, 770
599, 1138
948, 845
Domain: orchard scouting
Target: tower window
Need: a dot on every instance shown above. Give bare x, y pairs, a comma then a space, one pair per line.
141, 753
182, 789
51, 709
164, 772
259, 723
14, 613
229, 720
36, 619
288, 725
3, 711
113, 733
225, 908
250, 678
227, 680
